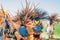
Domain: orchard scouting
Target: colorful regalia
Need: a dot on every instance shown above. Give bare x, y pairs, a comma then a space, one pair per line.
23, 31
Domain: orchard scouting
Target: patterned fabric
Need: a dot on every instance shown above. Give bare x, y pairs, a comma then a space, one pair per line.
23, 31
37, 18
7, 26
51, 21
1, 31
36, 23
10, 34
37, 29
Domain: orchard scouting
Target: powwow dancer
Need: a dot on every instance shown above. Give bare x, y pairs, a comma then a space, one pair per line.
1, 25
2, 21
29, 26
50, 26
38, 28
9, 33
26, 27
23, 31
39, 15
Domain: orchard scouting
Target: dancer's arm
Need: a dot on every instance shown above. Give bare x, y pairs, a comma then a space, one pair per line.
18, 36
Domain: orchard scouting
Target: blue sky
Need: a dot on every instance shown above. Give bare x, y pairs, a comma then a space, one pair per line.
50, 6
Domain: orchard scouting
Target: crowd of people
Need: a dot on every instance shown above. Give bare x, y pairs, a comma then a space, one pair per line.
26, 25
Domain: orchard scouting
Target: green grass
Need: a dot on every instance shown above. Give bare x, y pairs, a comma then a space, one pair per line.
57, 29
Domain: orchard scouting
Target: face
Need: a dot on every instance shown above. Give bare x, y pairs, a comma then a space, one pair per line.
16, 23
36, 15
30, 25
22, 22
54, 17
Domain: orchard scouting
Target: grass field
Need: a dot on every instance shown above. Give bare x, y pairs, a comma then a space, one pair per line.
57, 29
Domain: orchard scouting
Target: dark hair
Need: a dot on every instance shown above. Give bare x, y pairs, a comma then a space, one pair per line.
7, 26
